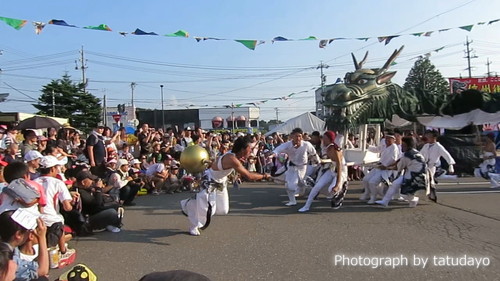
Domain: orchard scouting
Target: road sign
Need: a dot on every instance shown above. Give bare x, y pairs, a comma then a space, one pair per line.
117, 117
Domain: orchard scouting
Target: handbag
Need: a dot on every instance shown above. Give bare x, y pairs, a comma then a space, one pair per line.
21, 191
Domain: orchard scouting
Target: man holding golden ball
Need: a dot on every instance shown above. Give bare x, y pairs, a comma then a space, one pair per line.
213, 197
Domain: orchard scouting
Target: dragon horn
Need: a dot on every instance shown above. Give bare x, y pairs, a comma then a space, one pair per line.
391, 59
364, 60
356, 65
360, 64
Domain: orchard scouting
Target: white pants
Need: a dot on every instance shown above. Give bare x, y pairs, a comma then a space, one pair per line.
495, 180
395, 188
321, 186
373, 180
197, 208
294, 181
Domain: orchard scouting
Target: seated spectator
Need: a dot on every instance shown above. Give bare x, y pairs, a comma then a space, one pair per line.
12, 153
102, 212
110, 168
15, 235
3, 183
8, 266
158, 173
122, 190
32, 158
173, 183
19, 170
59, 194
124, 152
29, 143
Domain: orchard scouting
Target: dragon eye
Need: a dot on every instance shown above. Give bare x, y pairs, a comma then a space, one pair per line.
362, 81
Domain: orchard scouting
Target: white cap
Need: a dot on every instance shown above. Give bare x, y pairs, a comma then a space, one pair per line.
50, 161
32, 155
135, 161
121, 162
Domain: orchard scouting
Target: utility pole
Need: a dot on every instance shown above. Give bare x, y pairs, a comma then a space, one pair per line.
132, 86
104, 109
232, 117
488, 62
162, 114
323, 81
82, 67
53, 103
468, 56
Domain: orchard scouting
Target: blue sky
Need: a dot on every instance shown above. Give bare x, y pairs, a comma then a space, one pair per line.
217, 73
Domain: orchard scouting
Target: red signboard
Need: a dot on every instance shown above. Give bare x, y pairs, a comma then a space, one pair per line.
486, 84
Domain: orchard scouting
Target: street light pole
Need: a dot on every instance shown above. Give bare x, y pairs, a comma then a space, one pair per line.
162, 114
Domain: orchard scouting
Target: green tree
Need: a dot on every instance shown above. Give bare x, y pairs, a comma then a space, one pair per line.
82, 108
428, 84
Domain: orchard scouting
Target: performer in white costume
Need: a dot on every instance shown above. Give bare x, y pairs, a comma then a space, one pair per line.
388, 157
333, 179
489, 158
299, 152
414, 177
213, 197
432, 151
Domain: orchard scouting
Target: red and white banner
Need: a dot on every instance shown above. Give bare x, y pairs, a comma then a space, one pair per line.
486, 84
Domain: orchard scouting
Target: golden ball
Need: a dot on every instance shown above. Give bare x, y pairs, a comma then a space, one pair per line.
194, 159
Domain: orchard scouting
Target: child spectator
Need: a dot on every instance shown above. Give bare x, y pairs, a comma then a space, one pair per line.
15, 235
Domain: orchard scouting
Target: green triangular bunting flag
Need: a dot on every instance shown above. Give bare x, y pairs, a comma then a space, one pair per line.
250, 44
99, 27
310, 38
180, 33
15, 23
467, 27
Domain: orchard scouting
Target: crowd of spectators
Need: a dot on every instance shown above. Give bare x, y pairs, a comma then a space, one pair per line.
81, 184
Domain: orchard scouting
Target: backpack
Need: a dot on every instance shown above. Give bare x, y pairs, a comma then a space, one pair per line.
22, 192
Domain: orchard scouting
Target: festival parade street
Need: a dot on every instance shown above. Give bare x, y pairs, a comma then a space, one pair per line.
261, 239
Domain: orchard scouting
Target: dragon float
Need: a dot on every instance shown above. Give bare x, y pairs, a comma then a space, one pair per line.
369, 93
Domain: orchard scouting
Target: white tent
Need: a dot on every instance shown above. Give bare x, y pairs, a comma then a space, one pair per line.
475, 117
307, 122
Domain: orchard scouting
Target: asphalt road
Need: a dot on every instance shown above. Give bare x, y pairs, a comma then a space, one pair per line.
261, 239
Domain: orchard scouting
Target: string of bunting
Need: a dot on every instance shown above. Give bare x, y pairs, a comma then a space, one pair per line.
339, 80
257, 103
250, 44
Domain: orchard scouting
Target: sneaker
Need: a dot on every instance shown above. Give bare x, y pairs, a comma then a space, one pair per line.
413, 202
291, 204
371, 202
303, 209
155, 192
194, 231
113, 229
382, 202
67, 258
402, 199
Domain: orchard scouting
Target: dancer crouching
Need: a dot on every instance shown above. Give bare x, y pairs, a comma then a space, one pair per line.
334, 179
414, 178
213, 197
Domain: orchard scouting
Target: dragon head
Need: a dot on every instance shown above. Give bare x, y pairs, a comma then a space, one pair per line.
354, 98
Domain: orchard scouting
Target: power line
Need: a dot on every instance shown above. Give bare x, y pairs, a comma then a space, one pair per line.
206, 67
20, 92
